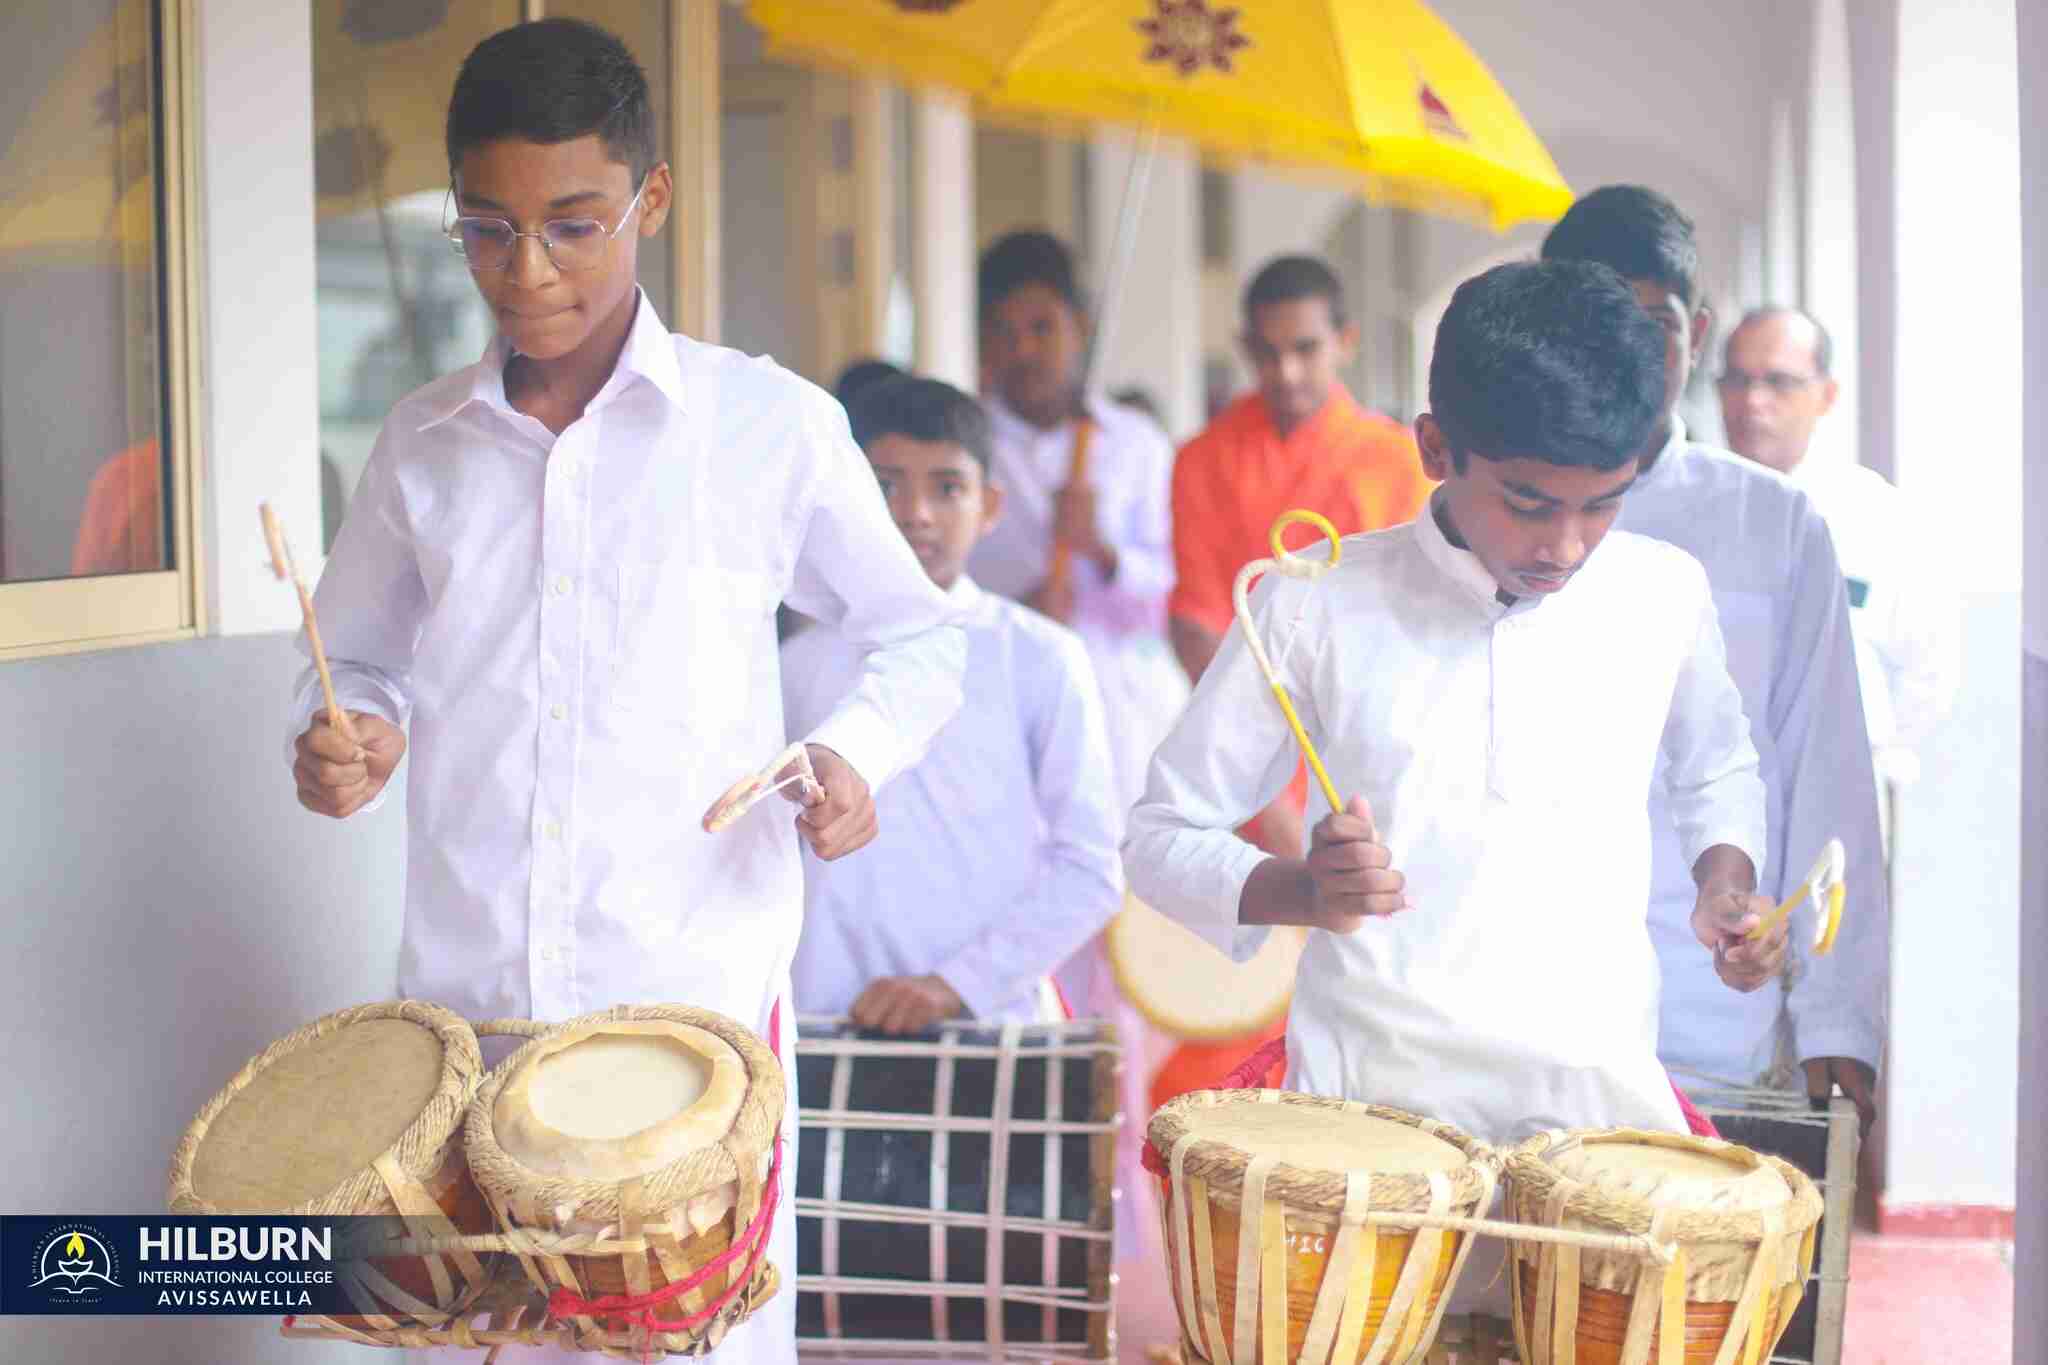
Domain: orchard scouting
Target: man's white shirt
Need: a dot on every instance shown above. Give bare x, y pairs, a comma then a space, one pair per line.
1784, 614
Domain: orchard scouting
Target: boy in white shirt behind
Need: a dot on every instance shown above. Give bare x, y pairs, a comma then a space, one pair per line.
998, 851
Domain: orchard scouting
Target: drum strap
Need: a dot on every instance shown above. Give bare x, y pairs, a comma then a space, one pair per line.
1649, 1296
1339, 1316
1258, 1222
1488, 1175
995, 1275
1407, 1310
1543, 1325
424, 1218
1198, 1316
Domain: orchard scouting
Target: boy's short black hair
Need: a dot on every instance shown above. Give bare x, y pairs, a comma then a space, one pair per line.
1288, 278
862, 375
553, 80
1022, 258
923, 410
1553, 361
1634, 231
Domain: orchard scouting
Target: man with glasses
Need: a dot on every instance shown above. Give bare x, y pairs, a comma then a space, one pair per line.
1785, 619
1776, 385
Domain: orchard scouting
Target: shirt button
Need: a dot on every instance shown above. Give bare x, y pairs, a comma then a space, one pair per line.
562, 586
547, 955
559, 711
552, 829
569, 469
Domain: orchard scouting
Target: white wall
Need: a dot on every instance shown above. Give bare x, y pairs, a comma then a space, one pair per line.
1957, 420
169, 911
1830, 274
1156, 333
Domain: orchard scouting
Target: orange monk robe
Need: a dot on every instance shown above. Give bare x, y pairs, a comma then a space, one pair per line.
1356, 467
122, 528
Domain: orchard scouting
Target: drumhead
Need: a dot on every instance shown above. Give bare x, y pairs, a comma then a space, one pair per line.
619, 1099
1317, 1139
1723, 1177
299, 1127
1183, 985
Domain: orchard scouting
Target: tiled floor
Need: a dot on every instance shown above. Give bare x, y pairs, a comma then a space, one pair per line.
1922, 1302
1911, 1302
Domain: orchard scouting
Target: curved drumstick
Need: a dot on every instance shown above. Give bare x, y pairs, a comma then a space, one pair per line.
743, 795
1294, 566
284, 566
1828, 885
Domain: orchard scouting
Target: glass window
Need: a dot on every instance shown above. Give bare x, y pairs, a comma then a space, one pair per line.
84, 441
396, 307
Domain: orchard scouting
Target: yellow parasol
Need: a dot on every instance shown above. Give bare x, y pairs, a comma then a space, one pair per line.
1381, 90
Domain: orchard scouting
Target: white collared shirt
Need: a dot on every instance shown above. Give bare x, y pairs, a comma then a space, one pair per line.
1504, 752
1784, 614
1122, 620
997, 856
580, 632
1901, 612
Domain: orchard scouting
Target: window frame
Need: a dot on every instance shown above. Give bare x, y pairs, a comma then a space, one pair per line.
72, 615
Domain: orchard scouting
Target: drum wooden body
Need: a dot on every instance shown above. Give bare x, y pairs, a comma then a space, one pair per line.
631, 1149
357, 1113
954, 1191
1742, 1225
1267, 1201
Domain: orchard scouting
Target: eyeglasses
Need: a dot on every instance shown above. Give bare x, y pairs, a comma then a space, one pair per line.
1781, 384
571, 243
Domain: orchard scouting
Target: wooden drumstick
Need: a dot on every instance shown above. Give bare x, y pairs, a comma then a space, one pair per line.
284, 566
1060, 576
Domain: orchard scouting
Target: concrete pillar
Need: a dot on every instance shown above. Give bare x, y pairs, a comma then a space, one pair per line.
942, 160
1873, 33
255, 250
1155, 337
2030, 1266
1830, 274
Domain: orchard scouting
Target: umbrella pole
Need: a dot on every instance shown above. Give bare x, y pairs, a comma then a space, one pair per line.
1121, 251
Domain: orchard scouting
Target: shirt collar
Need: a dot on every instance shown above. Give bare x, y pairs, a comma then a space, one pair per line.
1667, 453
1462, 567
649, 352
965, 593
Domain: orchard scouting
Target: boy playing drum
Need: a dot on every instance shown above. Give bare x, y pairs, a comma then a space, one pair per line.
1492, 695
560, 574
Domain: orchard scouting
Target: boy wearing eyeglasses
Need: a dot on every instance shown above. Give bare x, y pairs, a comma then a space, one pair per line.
559, 579
1778, 589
